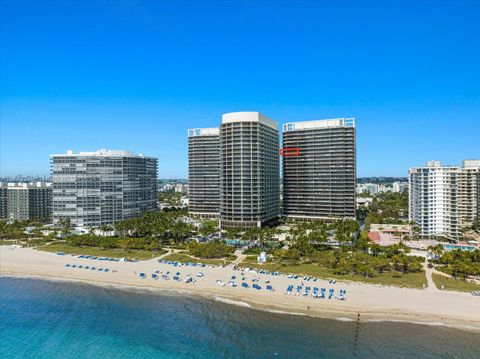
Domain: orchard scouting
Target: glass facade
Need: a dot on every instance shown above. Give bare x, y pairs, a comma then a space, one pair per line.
102, 188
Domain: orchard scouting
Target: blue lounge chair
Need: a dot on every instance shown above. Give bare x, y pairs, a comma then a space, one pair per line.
245, 285
142, 275
322, 290
330, 293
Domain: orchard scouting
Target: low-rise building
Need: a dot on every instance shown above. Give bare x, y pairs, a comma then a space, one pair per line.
364, 201
394, 232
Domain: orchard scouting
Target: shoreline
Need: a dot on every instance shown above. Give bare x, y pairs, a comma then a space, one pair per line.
374, 303
365, 317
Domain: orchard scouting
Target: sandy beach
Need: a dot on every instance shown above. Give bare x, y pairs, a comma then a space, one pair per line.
373, 302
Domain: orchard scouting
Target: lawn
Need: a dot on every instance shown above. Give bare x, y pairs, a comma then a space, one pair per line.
410, 280
458, 285
100, 252
183, 257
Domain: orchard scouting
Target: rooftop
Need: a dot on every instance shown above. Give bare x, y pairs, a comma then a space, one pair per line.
247, 116
212, 131
315, 124
472, 164
100, 153
25, 185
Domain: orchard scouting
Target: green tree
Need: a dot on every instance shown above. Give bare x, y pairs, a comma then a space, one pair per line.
66, 225
208, 228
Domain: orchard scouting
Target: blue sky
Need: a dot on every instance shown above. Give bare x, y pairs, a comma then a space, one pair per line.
135, 75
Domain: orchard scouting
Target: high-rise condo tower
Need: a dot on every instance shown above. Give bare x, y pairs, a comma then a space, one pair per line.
444, 199
249, 170
102, 187
21, 201
204, 172
319, 169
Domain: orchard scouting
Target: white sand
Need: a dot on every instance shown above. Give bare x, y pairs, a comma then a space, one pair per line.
373, 302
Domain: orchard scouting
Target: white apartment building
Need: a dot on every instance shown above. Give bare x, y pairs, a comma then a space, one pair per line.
374, 188
444, 199
181, 188
399, 187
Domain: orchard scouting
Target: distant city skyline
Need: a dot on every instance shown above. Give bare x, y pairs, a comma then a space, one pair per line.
136, 75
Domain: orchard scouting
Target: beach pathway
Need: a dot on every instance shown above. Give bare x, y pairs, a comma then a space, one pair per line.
431, 284
240, 257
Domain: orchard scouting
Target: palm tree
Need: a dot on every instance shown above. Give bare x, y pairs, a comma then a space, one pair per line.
66, 226
208, 228
104, 228
436, 250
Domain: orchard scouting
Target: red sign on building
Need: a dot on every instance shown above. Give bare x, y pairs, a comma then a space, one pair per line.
289, 151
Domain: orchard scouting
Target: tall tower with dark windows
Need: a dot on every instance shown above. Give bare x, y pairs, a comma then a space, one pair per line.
204, 172
319, 169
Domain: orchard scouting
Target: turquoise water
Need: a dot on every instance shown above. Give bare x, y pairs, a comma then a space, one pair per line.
43, 319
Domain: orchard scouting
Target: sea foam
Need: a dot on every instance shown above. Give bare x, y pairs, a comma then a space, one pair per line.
233, 302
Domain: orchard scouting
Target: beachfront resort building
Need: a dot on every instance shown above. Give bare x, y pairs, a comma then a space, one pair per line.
319, 169
234, 171
22, 201
444, 199
204, 172
249, 170
102, 187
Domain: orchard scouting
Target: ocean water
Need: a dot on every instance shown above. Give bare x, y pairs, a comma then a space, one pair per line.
45, 319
